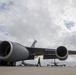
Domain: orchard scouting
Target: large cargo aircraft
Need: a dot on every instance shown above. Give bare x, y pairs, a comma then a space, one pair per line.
11, 52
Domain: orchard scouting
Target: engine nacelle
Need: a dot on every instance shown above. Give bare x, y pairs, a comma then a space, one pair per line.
11, 51
61, 53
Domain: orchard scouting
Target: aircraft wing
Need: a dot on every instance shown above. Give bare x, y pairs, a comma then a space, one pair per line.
41, 51
47, 53
12, 52
60, 53
71, 52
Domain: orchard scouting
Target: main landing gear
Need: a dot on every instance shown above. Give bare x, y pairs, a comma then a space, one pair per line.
5, 63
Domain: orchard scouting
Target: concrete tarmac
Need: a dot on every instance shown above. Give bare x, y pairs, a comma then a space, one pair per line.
37, 70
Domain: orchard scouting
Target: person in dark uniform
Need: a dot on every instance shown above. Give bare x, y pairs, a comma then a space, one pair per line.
39, 63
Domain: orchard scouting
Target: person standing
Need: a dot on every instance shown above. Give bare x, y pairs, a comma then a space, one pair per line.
39, 62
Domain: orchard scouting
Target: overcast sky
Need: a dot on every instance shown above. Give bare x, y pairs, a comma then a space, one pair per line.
51, 22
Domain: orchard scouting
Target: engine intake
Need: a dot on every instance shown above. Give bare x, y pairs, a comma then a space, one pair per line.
62, 53
4, 49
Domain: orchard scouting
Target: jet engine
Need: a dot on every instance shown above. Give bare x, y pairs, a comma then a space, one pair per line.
11, 51
61, 53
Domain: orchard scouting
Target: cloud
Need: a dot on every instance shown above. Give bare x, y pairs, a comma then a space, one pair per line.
5, 5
